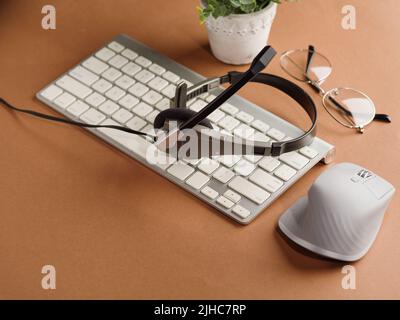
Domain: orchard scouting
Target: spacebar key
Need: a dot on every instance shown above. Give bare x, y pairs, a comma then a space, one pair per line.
249, 190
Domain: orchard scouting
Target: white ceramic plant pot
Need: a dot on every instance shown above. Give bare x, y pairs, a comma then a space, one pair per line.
237, 38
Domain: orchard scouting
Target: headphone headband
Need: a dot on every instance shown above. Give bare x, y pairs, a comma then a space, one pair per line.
286, 86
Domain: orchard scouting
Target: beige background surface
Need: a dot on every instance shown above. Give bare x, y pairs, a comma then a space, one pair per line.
113, 228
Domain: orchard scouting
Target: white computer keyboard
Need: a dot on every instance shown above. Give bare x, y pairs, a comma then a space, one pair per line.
127, 83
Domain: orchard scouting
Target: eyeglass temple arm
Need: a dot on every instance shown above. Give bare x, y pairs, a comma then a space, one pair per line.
382, 117
311, 52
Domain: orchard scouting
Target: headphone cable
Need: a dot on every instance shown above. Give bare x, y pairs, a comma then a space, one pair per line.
72, 122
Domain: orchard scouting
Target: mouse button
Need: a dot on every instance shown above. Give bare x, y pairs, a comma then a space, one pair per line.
378, 187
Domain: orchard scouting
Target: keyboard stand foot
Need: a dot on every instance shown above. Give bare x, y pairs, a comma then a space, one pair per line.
330, 156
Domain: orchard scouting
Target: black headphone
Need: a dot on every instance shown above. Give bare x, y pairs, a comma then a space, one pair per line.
216, 142
179, 113
212, 143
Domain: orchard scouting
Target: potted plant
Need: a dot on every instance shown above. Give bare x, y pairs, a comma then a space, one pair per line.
237, 29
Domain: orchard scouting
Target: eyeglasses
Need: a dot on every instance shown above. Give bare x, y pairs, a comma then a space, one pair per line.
349, 107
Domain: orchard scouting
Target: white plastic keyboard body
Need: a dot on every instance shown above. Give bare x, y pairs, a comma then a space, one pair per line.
127, 83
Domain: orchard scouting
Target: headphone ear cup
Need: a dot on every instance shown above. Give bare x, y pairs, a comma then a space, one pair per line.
179, 115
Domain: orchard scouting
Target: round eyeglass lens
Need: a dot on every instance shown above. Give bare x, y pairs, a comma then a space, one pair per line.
349, 107
295, 63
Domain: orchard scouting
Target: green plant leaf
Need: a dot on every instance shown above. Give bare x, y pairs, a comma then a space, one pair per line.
222, 8
236, 3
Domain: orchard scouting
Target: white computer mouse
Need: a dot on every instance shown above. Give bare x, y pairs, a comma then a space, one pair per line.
342, 213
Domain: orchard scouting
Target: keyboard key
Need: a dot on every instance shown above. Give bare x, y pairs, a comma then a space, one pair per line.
111, 74
155, 68
115, 93
95, 99
232, 195
162, 159
241, 212
294, 160
225, 202
253, 158
208, 165
244, 168
144, 76
152, 116
245, 117
243, 131
276, 134
102, 86
309, 152
136, 123
152, 97
108, 107
131, 69
77, 108
105, 54
83, 75
92, 116
149, 129
223, 175
193, 162
128, 101
209, 192
138, 89
158, 83
163, 104
64, 100
266, 181
249, 190
135, 144
229, 109
128, 53
285, 172
118, 61
122, 115
116, 46
258, 136
51, 92
228, 123
143, 61
228, 160
197, 180
169, 91
171, 77
142, 109
210, 98
204, 95
260, 125
198, 105
75, 87
95, 65
216, 116
269, 163
124, 82
180, 170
